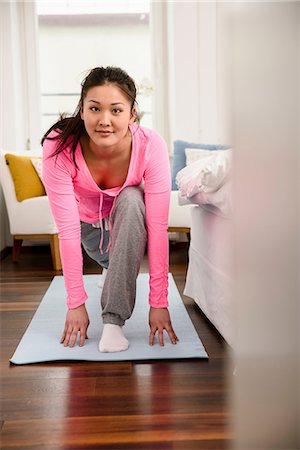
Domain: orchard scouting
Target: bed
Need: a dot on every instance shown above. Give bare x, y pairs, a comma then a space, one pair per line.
209, 277
206, 184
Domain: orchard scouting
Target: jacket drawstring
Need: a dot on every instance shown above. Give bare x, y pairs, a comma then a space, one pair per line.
110, 224
101, 224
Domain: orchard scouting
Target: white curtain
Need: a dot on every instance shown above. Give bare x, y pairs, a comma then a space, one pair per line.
159, 29
20, 110
19, 79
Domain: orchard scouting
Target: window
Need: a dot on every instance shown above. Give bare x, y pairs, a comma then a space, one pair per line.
75, 36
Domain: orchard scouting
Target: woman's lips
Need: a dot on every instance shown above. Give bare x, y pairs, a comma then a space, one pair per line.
104, 133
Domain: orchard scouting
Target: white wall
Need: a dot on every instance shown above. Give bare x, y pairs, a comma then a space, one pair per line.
65, 55
67, 52
200, 72
183, 71
223, 113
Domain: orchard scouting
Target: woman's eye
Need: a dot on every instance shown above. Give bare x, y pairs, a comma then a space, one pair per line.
116, 111
94, 108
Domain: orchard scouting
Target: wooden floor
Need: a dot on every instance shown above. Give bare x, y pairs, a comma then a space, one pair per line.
176, 404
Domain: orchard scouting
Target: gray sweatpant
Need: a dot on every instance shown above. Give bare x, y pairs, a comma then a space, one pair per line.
123, 260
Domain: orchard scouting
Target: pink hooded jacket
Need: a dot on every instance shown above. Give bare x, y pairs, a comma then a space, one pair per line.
74, 196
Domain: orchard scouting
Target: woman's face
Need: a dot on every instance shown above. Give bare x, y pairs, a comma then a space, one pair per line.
106, 114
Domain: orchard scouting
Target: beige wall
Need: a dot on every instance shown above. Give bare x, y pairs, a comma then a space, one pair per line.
266, 226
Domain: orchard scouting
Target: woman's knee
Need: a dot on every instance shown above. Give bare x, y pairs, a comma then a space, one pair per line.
132, 198
129, 212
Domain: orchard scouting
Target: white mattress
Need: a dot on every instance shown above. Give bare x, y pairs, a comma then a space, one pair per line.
210, 269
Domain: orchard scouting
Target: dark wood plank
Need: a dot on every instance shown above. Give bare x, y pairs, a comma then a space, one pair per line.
177, 404
83, 431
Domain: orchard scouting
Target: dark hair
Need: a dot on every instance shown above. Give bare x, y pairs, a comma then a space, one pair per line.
73, 127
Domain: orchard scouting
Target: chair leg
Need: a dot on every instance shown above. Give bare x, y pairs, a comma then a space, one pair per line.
54, 244
16, 249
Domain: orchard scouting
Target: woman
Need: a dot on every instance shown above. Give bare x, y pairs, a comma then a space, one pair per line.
108, 183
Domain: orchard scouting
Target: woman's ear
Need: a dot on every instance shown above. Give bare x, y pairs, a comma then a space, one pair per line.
133, 115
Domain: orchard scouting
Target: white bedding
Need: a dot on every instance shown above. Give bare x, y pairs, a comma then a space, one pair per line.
207, 182
210, 266
219, 202
204, 175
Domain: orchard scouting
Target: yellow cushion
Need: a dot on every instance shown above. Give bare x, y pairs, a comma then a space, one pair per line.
26, 180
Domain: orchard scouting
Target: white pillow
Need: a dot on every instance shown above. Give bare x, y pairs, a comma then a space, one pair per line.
37, 164
194, 154
205, 175
221, 200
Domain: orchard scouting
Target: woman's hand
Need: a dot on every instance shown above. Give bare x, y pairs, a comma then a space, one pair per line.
159, 320
77, 321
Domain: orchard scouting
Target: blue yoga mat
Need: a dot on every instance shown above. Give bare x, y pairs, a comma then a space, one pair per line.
40, 342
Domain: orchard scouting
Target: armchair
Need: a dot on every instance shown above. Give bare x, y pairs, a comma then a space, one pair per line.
28, 219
